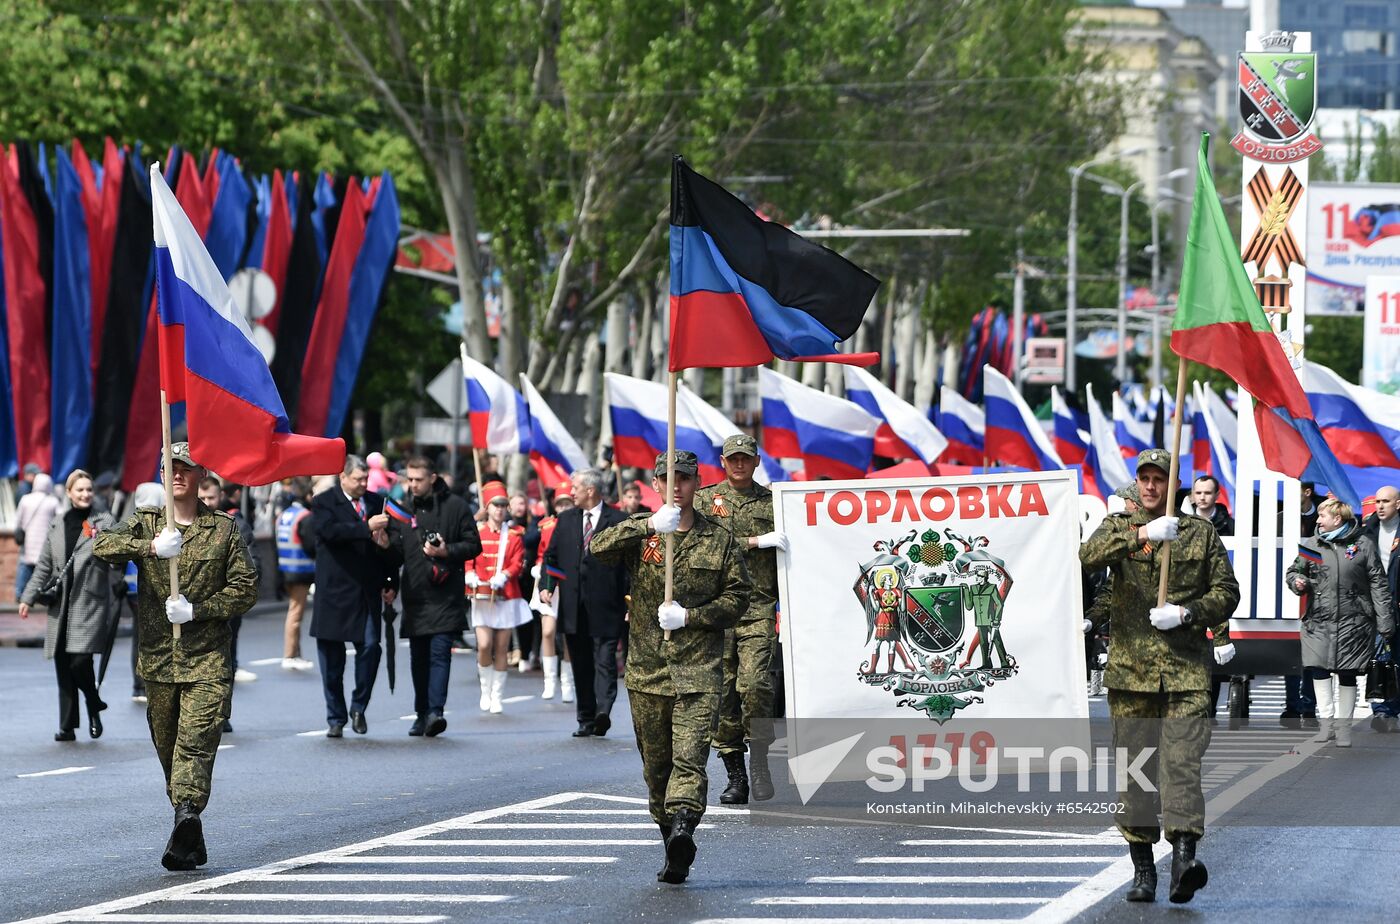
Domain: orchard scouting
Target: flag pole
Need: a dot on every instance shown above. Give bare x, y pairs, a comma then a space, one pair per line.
1174, 474
670, 485
168, 476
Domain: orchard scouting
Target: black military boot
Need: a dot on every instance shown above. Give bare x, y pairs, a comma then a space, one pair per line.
760, 780
185, 848
680, 847
1188, 874
737, 792
1144, 888
666, 866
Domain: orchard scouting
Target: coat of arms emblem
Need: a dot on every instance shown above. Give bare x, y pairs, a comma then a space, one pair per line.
922, 593
1278, 100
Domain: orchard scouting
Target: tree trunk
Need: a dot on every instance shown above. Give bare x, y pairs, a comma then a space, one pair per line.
887, 333
642, 349
590, 384
928, 372
617, 334
513, 323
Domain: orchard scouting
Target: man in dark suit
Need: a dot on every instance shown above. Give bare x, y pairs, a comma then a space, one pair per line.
591, 601
354, 582
1383, 527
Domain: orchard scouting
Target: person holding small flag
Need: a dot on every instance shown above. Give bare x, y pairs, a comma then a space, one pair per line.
493, 582
431, 540
675, 687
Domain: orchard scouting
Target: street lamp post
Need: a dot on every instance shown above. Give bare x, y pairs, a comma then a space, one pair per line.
1121, 367
1072, 254
1159, 297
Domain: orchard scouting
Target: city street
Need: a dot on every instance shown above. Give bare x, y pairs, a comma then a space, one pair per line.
508, 818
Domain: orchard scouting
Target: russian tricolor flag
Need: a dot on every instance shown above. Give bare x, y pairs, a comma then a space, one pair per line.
499, 420
1070, 442
1014, 436
1104, 458
904, 433
553, 452
637, 411
964, 425
237, 425
832, 436
1133, 435
1362, 426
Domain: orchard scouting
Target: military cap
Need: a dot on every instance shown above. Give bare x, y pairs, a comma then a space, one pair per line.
686, 463
1159, 458
180, 452
1129, 492
740, 443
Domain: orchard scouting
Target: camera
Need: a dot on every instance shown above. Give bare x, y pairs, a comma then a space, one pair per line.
434, 539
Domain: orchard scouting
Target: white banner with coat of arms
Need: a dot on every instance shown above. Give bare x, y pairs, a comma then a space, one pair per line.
932, 599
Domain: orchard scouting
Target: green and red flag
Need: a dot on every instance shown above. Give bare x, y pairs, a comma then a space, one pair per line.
1220, 323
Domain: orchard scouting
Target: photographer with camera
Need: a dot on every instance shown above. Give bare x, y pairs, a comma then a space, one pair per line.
432, 547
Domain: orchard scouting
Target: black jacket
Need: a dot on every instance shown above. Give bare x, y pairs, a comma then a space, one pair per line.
1222, 521
434, 602
351, 571
598, 587
1372, 529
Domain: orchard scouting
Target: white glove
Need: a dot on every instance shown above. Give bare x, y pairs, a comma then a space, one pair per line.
1167, 616
1163, 529
535, 572
179, 611
1088, 626
473, 582
1223, 653
167, 544
773, 541
665, 520
671, 616
498, 580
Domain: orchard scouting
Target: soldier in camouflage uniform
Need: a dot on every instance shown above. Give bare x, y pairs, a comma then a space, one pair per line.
746, 706
1159, 666
188, 680
674, 684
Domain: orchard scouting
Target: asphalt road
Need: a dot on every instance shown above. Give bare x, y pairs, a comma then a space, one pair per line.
509, 818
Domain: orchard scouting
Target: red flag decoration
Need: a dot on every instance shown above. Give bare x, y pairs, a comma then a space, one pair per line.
237, 425
318, 370
277, 245
26, 308
745, 291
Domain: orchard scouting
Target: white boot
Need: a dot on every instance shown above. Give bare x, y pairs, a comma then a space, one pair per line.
486, 674
498, 689
551, 675
1326, 703
1346, 705
566, 682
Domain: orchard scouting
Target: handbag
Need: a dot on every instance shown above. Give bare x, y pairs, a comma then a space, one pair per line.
1382, 682
47, 595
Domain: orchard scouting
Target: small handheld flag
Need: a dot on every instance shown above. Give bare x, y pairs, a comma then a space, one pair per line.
394, 512
1309, 556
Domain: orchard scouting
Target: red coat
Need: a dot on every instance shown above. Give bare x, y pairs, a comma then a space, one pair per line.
547, 525
485, 564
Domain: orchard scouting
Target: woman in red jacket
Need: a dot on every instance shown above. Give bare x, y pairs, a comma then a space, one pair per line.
493, 583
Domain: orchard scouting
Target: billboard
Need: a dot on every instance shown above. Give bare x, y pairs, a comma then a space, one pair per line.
1353, 233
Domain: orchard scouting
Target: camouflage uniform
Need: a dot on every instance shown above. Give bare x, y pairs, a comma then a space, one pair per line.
674, 685
1158, 682
188, 682
746, 705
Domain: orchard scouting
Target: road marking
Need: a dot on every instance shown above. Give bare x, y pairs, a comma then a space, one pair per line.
59, 772
412, 877
520, 825
319, 731
1115, 842
187, 918
394, 897
859, 920
475, 858
530, 842
709, 810
518, 699
899, 900
264, 662
934, 880
963, 859
227, 747
413, 715
279, 870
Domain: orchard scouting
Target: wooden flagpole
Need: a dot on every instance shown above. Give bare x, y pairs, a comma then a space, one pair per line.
1173, 475
670, 485
168, 472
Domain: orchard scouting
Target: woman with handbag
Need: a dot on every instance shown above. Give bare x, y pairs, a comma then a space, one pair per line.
1348, 603
79, 591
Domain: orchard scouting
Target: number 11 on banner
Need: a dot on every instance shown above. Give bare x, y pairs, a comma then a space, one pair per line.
1381, 365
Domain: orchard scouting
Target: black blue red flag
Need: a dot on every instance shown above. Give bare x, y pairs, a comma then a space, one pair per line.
745, 291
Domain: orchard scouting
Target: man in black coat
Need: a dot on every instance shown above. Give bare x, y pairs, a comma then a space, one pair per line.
432, 547
354, 581
591, 601
1383, 527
